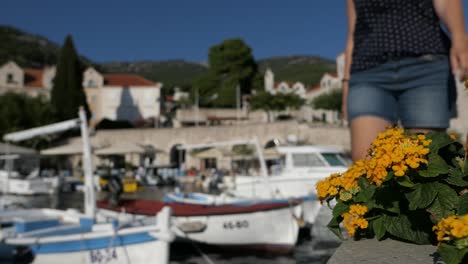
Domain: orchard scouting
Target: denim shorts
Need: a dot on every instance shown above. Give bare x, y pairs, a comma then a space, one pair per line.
419, 92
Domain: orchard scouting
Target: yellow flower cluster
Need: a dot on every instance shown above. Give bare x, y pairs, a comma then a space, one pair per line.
391, 150
452, 227
354, 219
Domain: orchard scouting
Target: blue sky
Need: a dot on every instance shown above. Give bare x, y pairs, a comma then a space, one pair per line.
184, 29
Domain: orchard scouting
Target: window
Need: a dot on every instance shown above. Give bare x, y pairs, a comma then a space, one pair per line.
336, 159
210, 163
91, 83
10, 78
307, 160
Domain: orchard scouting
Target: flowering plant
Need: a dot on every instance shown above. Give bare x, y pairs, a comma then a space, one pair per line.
406, 185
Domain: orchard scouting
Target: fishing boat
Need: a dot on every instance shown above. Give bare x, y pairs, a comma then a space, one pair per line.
259, 226
58, 236
265, 225
52, 236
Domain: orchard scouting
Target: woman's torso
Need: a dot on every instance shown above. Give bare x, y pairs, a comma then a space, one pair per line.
395, 29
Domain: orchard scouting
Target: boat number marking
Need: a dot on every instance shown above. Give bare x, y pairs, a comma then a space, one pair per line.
236, 224
102, 255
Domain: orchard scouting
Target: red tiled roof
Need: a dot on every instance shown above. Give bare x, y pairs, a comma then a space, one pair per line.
314, 88
126, 80
33, 78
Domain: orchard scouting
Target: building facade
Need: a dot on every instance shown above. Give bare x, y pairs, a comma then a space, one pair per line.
29, 81
122, 97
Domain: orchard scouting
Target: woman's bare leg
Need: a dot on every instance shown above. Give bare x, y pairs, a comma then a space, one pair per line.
363, 131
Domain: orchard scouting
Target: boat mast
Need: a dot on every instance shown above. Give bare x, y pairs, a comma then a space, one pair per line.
90, 195
90, 202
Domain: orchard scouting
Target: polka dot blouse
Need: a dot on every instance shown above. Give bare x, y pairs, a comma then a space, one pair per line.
394, 29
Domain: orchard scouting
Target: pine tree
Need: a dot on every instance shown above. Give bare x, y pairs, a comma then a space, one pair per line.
67, 93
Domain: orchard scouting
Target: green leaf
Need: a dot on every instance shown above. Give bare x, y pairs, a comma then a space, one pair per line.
450, 254
463, 206
339, 209
465, 168
461, 243
447, 197
390, 176
387, 199
438, 211
405, 181
334, 226
365, 195
436, 166
423, 195
379, 228
363, 183
455, 177
407, 228
439, 140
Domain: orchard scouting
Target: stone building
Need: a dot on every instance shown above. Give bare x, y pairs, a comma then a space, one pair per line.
29, 81
121, 97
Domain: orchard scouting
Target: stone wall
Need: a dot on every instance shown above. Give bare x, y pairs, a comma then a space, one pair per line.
166, 138
384, 252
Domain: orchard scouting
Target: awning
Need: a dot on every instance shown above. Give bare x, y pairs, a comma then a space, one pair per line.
121, 149
12, 149
212, 153
75, 148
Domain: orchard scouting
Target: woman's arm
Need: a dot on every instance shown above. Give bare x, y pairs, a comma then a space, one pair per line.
451, 14
351, 12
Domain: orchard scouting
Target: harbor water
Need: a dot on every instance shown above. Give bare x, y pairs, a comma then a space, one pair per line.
310, 249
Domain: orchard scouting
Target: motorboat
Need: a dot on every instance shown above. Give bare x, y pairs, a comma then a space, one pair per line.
17, 176
295, 175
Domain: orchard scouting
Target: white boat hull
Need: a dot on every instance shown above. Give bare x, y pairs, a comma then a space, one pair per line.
294, 184
151, 252
76, 242
275, 228
26, 186
272, 230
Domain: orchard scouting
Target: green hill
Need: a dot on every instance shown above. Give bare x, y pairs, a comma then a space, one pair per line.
305, 68
29, 50
170, 73
26, 49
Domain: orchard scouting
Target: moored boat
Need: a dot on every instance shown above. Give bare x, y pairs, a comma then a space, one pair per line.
263, 226
52, 236
57, 236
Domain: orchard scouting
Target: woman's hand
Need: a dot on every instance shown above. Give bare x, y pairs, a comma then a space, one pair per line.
459, 57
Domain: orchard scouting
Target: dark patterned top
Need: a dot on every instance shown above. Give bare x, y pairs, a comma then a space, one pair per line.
394, 29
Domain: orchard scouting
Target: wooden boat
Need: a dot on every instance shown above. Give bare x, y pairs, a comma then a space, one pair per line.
264, 226
53, 236
57, 236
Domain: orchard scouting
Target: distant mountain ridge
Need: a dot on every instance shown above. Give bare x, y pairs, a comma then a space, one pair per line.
304, 68
29, 50
169, 72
